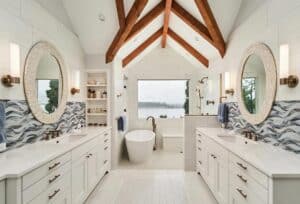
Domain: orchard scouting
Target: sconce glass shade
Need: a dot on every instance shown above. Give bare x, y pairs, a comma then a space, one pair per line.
77, 79
284, 60
227, 80
15, 60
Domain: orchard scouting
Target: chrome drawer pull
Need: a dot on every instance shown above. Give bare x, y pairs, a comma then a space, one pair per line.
55, 177
106, 134
106, 140
241, 165
199, 135
200, 162
242, 178
54, 194
242, 193
105, 161
55, 165
105, 148
199, 148
199, 141
213, 156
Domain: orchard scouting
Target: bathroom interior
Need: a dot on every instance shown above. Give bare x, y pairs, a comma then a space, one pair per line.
149, 102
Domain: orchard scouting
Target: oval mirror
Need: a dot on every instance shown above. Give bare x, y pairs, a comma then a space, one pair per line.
257, 83
45, 82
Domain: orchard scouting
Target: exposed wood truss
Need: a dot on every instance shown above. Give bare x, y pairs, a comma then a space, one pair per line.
188, 48
212, 25
190, 20
166, 22
121, 13
129, 28
146, 20
134, 13
142, 47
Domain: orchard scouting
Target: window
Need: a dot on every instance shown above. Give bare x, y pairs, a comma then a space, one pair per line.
163, 98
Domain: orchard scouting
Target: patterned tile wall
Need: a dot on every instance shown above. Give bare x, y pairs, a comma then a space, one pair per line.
21, 127
282, 127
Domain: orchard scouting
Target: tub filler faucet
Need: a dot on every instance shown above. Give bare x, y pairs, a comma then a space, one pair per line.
153, 129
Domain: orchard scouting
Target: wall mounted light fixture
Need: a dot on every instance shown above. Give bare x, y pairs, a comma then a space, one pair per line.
227, 80
285, 77
15, 61
76, 82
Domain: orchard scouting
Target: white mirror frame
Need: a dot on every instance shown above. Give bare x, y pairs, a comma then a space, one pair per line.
30, 71
264, 52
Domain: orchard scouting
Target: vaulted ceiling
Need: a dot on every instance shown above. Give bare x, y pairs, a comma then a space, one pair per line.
184, 27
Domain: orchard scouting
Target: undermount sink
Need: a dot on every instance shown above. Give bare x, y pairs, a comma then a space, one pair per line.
236, 139
67, 139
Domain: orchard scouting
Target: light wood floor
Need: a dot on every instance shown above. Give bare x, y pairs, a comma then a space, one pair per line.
151, 187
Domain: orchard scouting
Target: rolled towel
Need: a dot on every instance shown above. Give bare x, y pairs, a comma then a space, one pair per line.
2, 124
121, 123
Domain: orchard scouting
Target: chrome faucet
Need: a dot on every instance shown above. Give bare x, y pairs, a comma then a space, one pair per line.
153, 129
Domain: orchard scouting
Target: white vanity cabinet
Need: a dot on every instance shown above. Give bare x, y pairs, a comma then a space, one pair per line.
67, 179
2, 192
233, 180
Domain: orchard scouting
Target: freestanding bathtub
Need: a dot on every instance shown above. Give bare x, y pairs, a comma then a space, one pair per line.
140, 145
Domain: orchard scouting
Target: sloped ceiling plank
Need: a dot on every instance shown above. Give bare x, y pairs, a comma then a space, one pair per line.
121, 13
166, 23
212, 25
123, 33
146, 20
188, 48
142, 47
191, 21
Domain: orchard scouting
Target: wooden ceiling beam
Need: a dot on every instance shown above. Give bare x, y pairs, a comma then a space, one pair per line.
166, 23
212, 25
188, 48
190, 20
142, 47
121, 13
147, 19
133, 15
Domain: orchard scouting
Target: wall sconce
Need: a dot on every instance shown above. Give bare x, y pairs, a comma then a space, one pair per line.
227, 80
285, 77
15, 61
76, 81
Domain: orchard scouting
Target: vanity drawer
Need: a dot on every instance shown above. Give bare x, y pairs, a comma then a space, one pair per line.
58, 193
249, 170
45, 170
245, 182
238, 195
45, 183
84, 148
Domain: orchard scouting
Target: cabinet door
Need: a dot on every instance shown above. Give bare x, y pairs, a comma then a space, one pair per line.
2, 192
79, 180
211, 172
100, 159
221, 182
92, 168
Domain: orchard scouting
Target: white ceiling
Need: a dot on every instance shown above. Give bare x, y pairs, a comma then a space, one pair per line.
96, 36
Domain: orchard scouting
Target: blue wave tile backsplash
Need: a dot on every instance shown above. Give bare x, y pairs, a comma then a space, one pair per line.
21, 127
282, 127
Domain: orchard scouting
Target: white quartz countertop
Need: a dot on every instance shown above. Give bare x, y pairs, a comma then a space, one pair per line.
272, 161
18, 162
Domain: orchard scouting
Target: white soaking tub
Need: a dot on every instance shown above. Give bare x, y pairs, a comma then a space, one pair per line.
140, 145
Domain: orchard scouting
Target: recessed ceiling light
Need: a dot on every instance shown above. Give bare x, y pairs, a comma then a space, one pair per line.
101, 17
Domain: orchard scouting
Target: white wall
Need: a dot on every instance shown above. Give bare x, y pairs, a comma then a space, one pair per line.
275, 22
25, 22
162, 64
